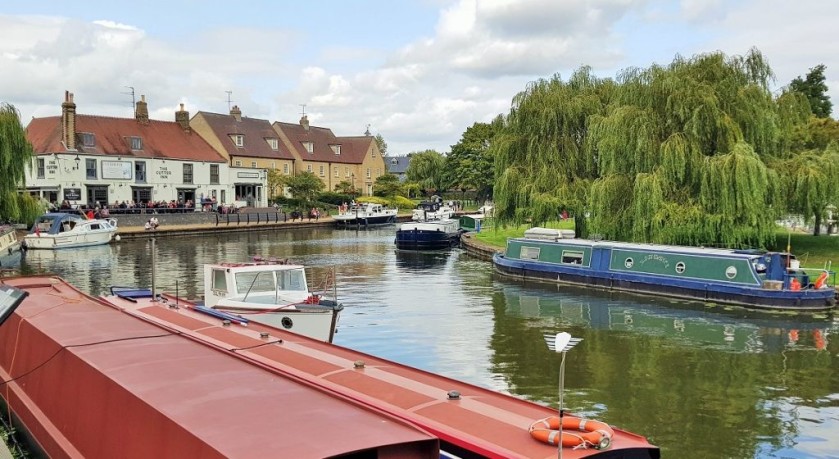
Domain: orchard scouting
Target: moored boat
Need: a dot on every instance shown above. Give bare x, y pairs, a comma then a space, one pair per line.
742, 277
268, 291
430, 235
59, 230
366, 214
10, 247
431, 210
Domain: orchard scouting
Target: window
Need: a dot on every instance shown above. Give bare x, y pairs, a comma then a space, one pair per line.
238, 139
321, 170
90, 167
187, 173
273, 164
393, 161
253, 164
529, 253
213, 174
219, 280
136, 143
336, 171
680, 267
373, 153
88, 139
310, 147
309, 167
41, 168
140, 171
368, 172
336, 149
285, 169
238, 163
346, 171
273, 143
572, 257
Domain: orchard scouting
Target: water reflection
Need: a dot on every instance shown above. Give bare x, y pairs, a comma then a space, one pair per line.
699, 381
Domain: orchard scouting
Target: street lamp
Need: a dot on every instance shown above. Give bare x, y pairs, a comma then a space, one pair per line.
561, 342
352, 175
77, 161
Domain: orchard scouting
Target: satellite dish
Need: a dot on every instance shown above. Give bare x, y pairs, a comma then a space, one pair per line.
561, 340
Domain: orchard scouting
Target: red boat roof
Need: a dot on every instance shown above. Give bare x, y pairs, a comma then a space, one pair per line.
90, 381
479, 422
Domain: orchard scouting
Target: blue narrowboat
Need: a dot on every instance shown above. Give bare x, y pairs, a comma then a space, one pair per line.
431, 235
749, 278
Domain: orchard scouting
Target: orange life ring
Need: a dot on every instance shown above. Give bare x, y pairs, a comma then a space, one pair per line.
580, 432
821, 280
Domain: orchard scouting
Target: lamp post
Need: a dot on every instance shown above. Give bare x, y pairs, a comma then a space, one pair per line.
352, 175
561, 342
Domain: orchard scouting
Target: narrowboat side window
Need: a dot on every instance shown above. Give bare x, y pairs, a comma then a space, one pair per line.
572, 257
530, 253
629, 262
731, 272
680, 267
219, 280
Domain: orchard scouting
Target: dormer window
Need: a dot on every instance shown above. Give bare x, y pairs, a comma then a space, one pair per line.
136, 143
393, 161
309, 146
336, 149
273, 143
88, 139
238, 139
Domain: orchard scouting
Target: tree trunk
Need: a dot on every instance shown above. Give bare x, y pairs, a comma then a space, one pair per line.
817, 224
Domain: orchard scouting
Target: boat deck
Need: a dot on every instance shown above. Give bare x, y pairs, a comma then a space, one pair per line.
469, 421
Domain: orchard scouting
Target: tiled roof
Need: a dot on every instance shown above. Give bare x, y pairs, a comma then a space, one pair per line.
397, 164
160, 139
353, 149
255, 132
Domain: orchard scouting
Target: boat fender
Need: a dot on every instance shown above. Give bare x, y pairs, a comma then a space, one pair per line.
313, 299
821, 280
580, 432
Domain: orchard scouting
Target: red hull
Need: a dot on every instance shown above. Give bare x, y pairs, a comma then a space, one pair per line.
480, 423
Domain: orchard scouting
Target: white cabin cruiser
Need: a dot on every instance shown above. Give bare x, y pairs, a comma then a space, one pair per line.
59, 230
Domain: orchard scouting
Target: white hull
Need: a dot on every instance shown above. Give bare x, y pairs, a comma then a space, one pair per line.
48, 241
319, 324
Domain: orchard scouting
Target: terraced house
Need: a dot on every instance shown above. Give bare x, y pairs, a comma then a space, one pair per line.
356, 160
244, 142
90, 159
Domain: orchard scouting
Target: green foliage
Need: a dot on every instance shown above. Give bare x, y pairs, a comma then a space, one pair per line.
345, 187
15, 157
427, 168
276, 183
400, 202
387, 185
304, 186
380, 142
334, 198
690, 142
469, 166
813, 86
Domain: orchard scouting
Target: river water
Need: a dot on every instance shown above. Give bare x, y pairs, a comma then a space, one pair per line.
699, 381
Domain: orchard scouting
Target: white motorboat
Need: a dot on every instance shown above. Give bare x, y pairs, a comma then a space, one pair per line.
10, 247
366, 213
59, 230
272, 292
428, 211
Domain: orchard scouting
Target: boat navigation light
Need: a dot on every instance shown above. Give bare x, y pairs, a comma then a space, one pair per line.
561, 342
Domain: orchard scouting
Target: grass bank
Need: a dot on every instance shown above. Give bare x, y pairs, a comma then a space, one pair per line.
813, 251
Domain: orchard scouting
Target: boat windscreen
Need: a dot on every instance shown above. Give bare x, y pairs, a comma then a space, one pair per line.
252, 282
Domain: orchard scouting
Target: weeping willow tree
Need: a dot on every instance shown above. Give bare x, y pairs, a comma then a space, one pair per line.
541, 164
674, 154
15, 156
427, 168
809, 182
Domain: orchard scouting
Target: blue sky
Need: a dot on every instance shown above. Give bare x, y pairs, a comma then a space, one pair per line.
419, 72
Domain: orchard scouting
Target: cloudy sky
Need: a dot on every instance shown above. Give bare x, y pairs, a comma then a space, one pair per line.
418, 72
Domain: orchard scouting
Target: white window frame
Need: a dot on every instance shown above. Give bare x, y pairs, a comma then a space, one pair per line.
273, 143
238, 139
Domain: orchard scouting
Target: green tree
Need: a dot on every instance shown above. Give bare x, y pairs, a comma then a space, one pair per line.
304, 186
470, 164
427, 168
15, 157
345, 187
814, 87
676, 154
809, 183
387, 185
276, 183
380, 141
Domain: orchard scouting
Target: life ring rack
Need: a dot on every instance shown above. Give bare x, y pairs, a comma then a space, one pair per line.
576, 432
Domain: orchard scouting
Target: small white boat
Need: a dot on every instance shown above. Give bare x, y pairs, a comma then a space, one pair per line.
366, 213
428, 211
10, 247
272, 292
59, 230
